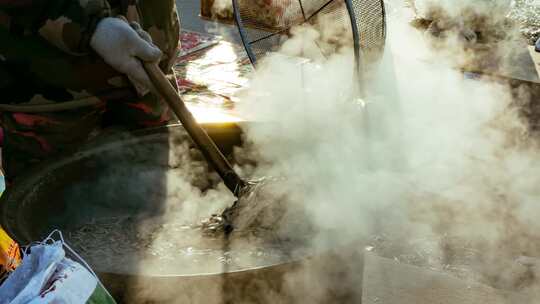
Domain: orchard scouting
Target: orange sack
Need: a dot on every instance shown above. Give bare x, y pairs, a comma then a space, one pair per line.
10, 254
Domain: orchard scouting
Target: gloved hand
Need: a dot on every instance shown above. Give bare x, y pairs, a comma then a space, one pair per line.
123, 46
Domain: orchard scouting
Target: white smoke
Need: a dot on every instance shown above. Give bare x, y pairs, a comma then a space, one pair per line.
222, 9
426, 153
427, 160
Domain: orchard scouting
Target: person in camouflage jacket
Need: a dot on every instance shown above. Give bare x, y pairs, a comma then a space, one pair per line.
47, 56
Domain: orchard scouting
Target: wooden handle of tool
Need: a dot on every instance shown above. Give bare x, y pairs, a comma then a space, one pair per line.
207, 146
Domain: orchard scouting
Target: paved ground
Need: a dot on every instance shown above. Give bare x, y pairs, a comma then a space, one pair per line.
189, 11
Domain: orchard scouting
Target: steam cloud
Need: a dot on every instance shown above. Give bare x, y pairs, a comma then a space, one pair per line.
427, 161
427, 154
222, 9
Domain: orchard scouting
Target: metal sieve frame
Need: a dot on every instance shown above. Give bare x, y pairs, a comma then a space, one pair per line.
353, 21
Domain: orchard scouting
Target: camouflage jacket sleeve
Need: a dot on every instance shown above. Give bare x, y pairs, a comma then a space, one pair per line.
67, 24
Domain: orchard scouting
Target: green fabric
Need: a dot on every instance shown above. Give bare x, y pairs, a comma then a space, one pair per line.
67, 24
100, 296
35, 36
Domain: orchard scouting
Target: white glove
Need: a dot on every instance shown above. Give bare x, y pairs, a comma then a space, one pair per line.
122, 47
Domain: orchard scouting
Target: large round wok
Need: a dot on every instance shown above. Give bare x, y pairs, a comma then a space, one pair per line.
40, 202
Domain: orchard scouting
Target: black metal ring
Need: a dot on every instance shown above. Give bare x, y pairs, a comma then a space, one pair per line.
356, 36
243, 34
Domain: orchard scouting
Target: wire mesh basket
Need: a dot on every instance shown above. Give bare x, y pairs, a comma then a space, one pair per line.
265, 25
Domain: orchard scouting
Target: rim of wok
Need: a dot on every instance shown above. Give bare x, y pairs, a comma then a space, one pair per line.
14, 198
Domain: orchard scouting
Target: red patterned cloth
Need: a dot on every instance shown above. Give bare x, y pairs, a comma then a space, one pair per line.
191, 42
